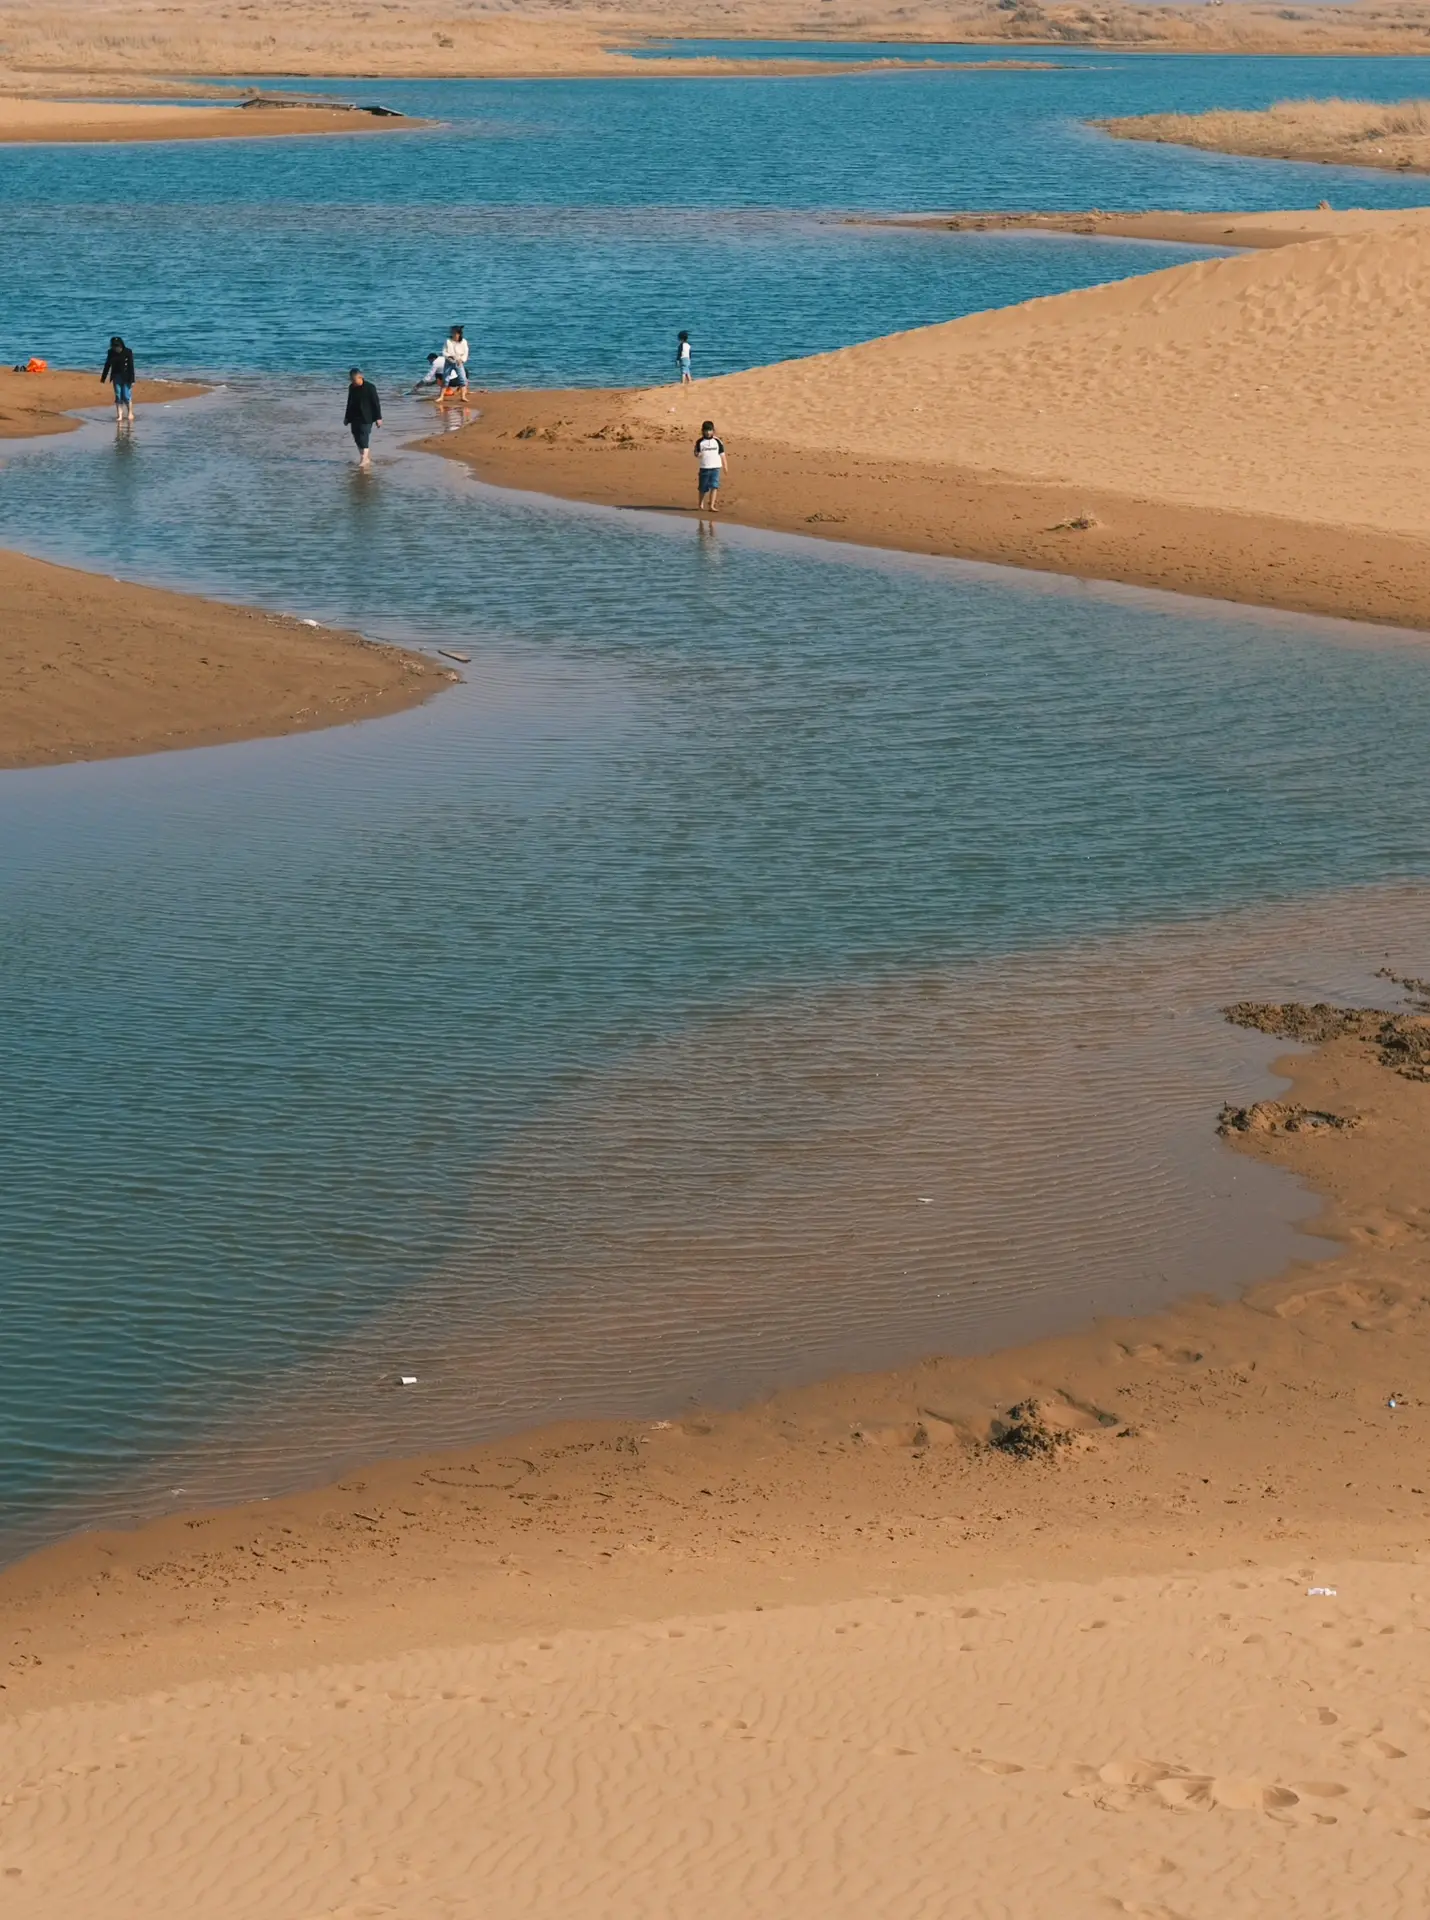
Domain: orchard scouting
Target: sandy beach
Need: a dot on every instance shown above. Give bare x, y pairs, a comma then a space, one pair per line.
1246, 428
839, 1637
92, 668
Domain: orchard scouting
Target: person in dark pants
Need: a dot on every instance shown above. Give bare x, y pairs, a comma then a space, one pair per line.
364, 412
119, 373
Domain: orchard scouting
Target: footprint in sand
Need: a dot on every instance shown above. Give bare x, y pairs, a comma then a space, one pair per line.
1121, 1784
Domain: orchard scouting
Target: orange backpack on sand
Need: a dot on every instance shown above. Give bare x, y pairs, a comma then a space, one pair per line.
37, 366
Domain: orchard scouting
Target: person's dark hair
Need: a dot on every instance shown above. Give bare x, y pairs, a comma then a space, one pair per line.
458, 330
683, 335
707, 426
431, 357
353, 372
115, 341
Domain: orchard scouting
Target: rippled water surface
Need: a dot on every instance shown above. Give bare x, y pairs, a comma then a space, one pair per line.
771, 958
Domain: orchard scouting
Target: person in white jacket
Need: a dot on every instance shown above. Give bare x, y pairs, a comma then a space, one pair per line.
454, 351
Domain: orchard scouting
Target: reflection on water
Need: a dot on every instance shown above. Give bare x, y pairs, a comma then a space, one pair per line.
585, 1032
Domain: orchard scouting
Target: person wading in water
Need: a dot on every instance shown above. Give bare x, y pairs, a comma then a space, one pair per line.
364, 412
119, 372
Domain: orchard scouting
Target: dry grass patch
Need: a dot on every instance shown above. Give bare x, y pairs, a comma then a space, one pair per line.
1356, 133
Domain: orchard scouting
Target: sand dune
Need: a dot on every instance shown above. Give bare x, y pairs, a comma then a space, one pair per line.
1254, 428
1204, 1747
1286, 382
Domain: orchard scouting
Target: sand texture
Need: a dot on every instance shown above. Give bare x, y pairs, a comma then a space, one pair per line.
1336, 133
1204, 1747
1253, 428
70, 120
835, 1655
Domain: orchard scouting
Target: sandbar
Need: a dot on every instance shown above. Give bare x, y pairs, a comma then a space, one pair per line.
1166, 1655
1230, 230
1247, 428
39, 403
1391, 136
70, 121
93, 668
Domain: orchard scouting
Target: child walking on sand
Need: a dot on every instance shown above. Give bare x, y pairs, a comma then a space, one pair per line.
119, 372
710, 462
682, 359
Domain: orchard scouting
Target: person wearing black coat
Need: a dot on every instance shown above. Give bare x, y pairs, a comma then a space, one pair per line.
119, 373
364, 412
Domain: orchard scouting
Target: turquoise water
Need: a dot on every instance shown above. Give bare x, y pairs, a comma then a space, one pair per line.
598, 1034
575, 226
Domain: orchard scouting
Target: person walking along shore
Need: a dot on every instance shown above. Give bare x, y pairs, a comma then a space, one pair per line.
119, 373
363, 413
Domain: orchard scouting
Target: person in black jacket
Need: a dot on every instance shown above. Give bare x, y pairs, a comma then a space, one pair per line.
364, 412
119, 373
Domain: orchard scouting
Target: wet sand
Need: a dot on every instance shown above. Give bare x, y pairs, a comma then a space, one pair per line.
499, 1680
35, 403
1247, 428
1250, 230
92, 668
